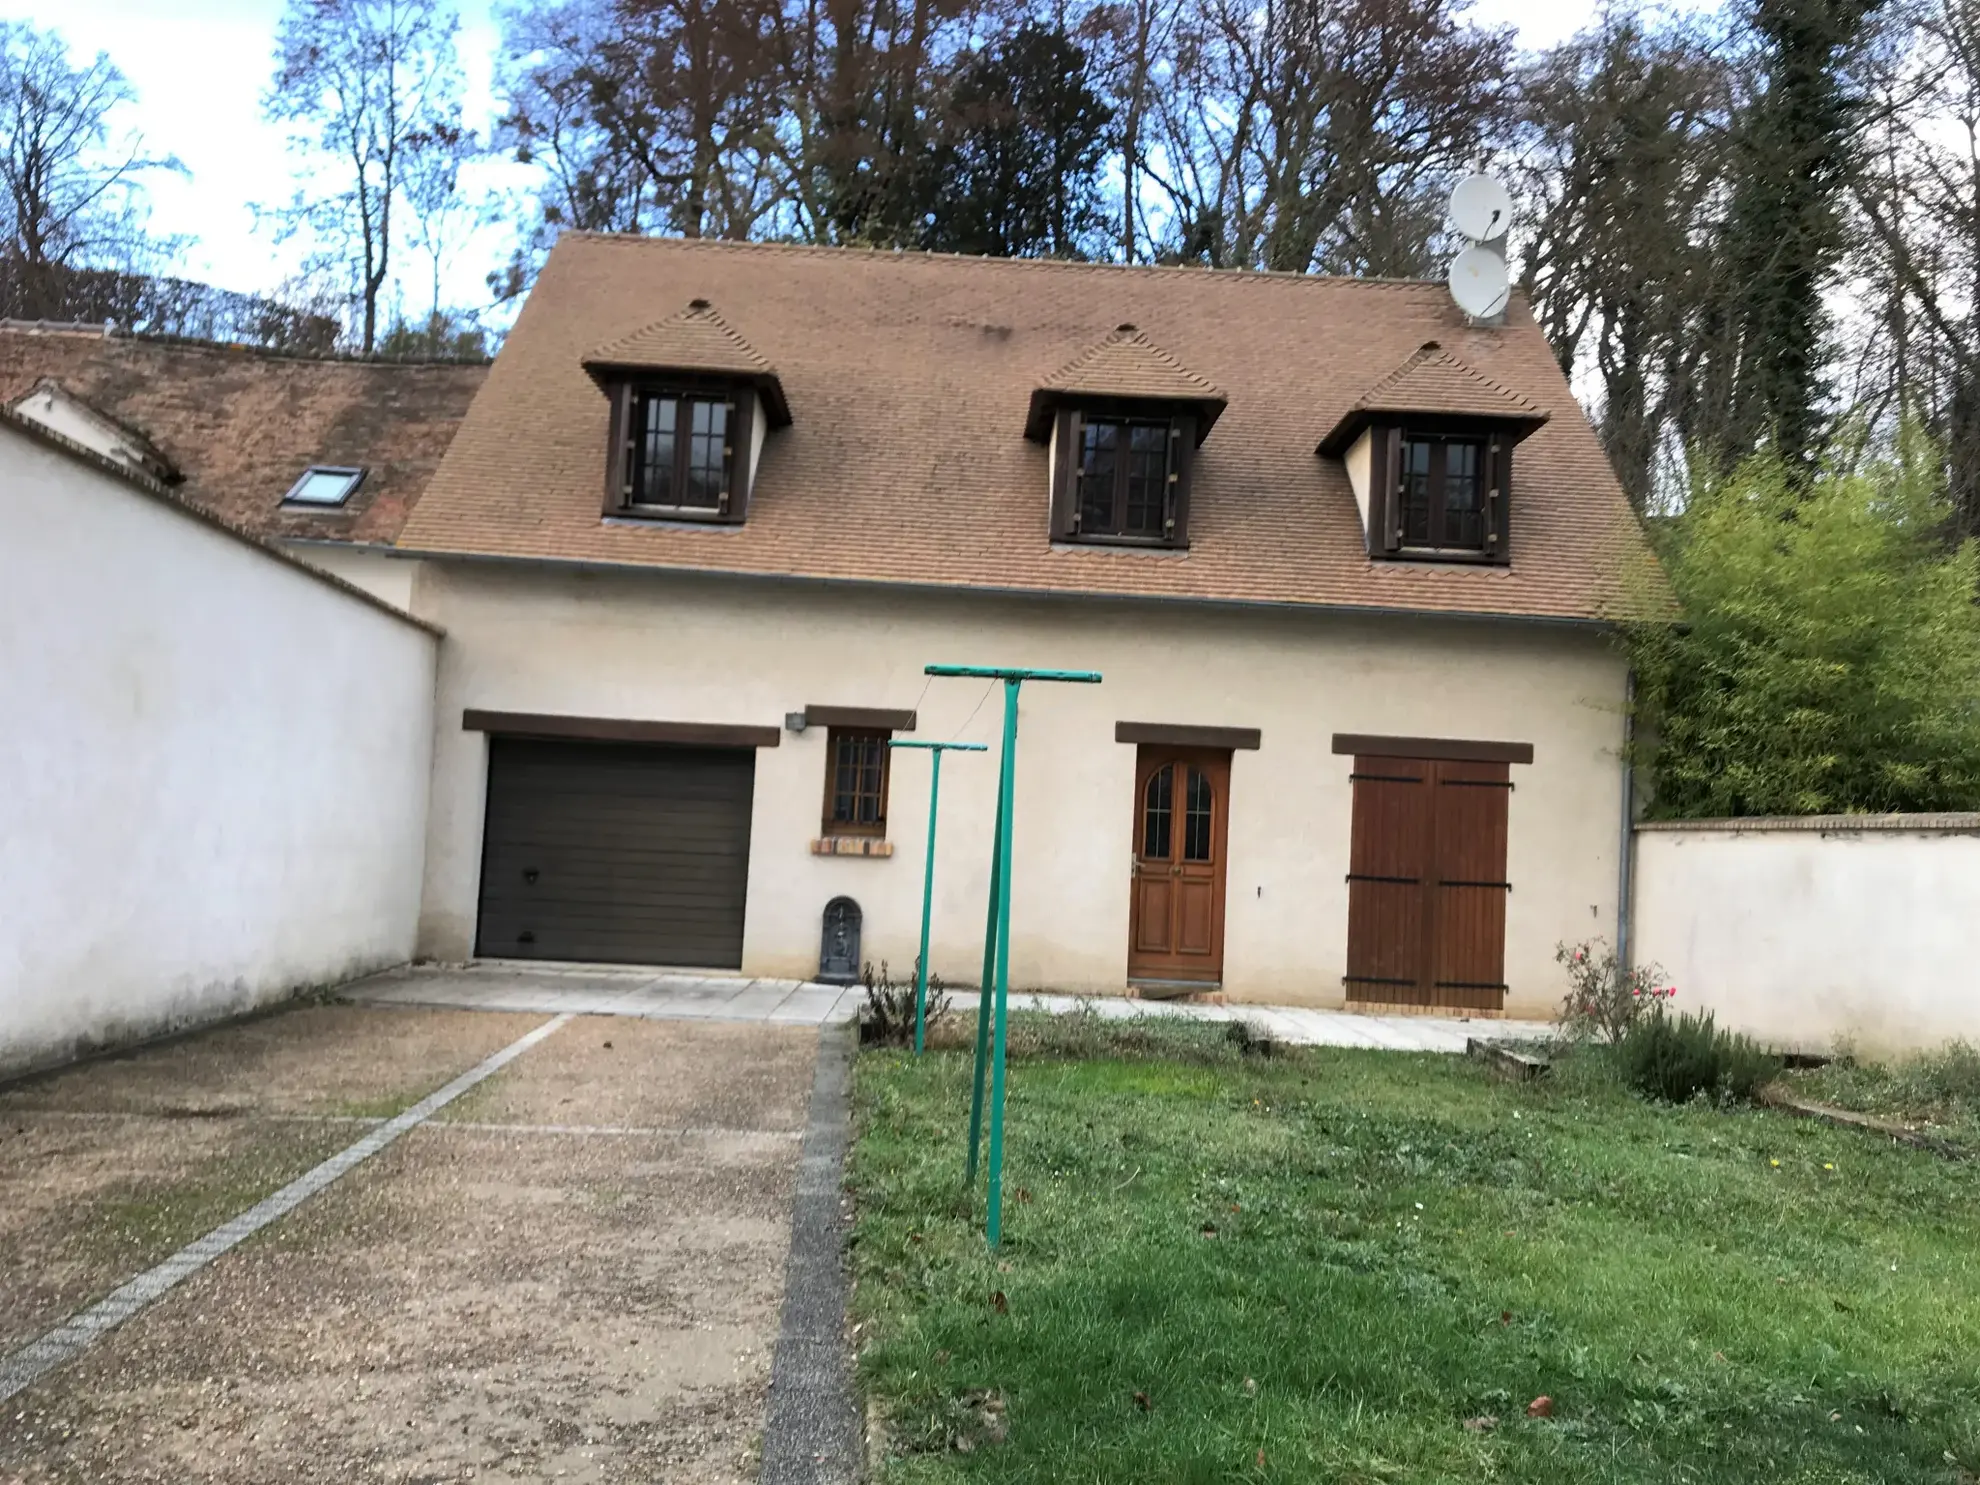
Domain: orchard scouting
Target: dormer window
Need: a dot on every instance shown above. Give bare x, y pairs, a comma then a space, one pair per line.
1443, 500
1129, 477
1122, 423
679, 454
1429, 455
692, 407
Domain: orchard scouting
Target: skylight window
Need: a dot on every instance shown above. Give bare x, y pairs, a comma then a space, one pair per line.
324, 485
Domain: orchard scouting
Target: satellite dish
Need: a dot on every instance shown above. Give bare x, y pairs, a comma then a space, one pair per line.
1481, 208
1480, 283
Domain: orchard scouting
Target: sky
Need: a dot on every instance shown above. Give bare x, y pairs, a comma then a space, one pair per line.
200, 67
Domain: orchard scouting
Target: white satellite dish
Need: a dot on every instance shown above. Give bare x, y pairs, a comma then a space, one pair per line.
1480, 283
1481, 208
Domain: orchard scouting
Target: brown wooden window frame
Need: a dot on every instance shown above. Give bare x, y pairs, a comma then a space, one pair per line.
831, 826
629, 399
1388, 536
1068, 475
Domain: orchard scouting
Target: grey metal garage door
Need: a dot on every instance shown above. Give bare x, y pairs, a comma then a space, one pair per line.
615, 852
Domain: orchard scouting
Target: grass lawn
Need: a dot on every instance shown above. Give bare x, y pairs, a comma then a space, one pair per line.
1335, 1266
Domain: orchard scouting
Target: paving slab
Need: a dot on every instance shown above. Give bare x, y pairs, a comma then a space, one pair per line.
492, 1297
658, 995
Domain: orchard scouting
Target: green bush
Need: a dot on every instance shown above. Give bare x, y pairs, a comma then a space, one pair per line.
1676, 1058
1830, 652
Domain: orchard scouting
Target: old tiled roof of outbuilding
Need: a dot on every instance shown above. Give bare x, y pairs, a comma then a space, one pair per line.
240, 425
909, 376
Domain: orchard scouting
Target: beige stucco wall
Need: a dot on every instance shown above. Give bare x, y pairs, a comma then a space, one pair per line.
373, 569
1821, 933
694, 649
213, 767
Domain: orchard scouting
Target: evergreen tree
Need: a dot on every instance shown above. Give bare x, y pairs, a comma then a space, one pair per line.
1017, 168
1784, 237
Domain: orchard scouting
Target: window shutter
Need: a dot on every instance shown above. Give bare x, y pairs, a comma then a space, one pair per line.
742, 430
1498, 498
1385, 512
619, 444
1065, 476
1182, 458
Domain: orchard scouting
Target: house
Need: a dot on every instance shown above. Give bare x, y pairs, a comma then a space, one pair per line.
1344, 560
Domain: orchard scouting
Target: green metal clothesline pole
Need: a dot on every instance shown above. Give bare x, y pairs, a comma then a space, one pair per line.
935, 750
996, 982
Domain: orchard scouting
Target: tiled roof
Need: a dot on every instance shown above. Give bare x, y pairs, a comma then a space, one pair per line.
240, 425
695, 340
1432, 380
909, 376
1126, 364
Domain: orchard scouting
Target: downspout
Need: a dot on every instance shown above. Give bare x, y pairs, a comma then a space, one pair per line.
1626, 857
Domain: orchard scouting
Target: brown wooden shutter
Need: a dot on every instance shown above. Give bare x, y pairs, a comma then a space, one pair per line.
1498, 502
1389, 859
742, 431
1427, 883
1065, 472
1182, 459
1385, 472
618, 449
1468, 955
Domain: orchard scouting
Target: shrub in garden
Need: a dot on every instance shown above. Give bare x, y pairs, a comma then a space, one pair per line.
1604, 1000
888, 1017
1676, 1058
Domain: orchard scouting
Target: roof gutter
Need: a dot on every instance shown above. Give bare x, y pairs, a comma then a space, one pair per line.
897, 585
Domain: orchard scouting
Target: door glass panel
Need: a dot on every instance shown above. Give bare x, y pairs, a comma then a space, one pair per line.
1196, 817
655, 482
707, 461
1415, 491
1464, 519
1155, 812
1099, 451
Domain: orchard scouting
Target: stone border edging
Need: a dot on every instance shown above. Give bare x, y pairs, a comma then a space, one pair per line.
811, 1431
80, 1331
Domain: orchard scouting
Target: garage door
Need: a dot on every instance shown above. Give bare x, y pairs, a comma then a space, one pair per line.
614, 852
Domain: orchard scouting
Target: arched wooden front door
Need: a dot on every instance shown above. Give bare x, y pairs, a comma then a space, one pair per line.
1176, 919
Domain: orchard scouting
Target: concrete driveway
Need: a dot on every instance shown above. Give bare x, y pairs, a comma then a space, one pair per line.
572, 1271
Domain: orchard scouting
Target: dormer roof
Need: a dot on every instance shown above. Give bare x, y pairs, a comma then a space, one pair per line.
1125, 366
1434, 383
697, 341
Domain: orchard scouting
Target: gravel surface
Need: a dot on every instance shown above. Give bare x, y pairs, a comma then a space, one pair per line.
503, 1303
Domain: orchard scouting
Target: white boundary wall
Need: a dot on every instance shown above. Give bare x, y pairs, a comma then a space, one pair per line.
213, 766
1834, 930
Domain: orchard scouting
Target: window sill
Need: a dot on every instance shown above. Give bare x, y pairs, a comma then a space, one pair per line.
851, 845
1434, 554
669, 520
1120, 546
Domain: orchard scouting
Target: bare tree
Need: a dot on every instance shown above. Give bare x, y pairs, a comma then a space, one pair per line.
1134, 42
1917, 194
372, 85
1621, 165
73, 181
1321, 134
